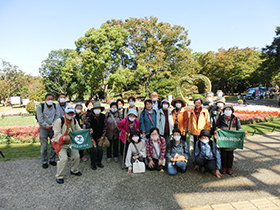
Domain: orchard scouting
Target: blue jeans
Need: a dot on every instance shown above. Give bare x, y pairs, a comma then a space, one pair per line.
172, 169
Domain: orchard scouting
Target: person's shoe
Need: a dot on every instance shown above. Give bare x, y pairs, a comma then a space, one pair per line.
93, 167
224, 170
116, 159
84, 159
202, 169
100, 165
53, 163
60, 181
109, 160
45, 165
76, 174
184, 171
229, 171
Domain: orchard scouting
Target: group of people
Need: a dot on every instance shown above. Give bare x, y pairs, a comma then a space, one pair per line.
155, 135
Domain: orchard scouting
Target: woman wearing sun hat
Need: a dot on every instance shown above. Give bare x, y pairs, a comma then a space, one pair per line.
180, 116
96, 121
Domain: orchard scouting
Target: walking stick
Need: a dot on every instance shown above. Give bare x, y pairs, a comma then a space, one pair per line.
124, 148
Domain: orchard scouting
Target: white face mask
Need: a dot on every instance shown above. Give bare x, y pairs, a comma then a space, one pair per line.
114, 110
177, 138
209, 99
220, 105
178, 105
154, 99
120, 106
78, 111
97, 111
131, 103
69, 117
205, 141
49, 102
131, 119
228, 112
62, 100
90, 107
164, 106
154, 138
135, 138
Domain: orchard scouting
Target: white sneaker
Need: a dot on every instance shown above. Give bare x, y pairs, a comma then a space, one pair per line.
116, 159
109, 160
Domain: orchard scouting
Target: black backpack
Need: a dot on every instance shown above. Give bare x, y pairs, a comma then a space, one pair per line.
43, 106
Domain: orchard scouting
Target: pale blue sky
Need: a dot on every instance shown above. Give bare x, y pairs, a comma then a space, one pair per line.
30, 29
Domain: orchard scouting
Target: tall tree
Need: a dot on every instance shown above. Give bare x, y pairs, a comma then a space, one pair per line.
269, 72
53, 76
101, 53
159, 50
11, 80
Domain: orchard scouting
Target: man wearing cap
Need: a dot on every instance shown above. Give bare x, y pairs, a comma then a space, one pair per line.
156, 102
199, 119
165, 120
61, 141
180, 116
61, 104
46, 115
96, 122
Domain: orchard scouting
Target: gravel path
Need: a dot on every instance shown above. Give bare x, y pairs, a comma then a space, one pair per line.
25, 185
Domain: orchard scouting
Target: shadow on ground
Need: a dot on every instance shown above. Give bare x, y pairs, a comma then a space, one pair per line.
25, 185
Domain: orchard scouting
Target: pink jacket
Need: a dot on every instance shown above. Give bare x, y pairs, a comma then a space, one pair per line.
124, 125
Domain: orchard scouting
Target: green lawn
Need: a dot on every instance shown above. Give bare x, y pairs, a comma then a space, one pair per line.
262, 128
11, 151
18, 120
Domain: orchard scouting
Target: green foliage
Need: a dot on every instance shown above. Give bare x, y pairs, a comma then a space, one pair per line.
230, 70
14, 82
56, 79
100, 54
269, 72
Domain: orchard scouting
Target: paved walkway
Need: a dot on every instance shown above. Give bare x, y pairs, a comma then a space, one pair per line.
255, 184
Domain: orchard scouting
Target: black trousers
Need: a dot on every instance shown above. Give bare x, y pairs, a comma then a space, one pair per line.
209, 164
226, 158
114, 143
156, 166
96, 154
81, 153
195, 139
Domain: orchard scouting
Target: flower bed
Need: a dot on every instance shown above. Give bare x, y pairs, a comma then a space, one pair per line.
19, 134
254, 114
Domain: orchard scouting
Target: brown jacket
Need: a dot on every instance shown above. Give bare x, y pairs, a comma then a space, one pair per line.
183, 118
203, 122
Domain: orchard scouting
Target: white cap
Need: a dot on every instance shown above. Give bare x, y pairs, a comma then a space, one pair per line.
165, 101
69, 109
132, 111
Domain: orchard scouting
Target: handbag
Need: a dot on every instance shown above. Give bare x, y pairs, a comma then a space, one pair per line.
106, 142
138, 167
